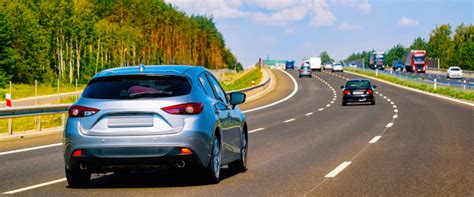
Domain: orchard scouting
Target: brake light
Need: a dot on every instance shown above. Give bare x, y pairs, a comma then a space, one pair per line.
77, 153
369, 91
186, 151
184, 109
347, 92
81, 111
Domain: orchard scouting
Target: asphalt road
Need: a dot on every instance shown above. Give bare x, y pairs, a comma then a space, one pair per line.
308, 145
440, 78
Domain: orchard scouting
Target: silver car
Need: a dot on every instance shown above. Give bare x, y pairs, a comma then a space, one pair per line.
154, 118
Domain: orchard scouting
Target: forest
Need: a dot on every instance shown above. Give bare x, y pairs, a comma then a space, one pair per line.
452, 48
46, 40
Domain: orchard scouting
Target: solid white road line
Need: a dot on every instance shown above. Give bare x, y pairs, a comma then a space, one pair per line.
295, 89
375, 139
29, 149
289, 120
255, 130
338, 169
35, 186
309, 114
390, 124
320, 109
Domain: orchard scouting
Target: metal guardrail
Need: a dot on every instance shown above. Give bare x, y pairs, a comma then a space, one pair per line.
16, 112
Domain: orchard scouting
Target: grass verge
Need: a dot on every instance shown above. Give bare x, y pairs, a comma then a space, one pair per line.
243, 80
453, 92
27, 90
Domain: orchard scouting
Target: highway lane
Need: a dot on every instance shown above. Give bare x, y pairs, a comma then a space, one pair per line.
428, 151
286, 158
440, 78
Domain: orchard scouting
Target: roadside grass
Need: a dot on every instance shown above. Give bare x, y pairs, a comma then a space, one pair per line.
28, 90
31, 123
242, 80
454, 92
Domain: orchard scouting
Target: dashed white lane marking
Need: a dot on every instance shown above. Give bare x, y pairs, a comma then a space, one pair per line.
338, 169
389, 100
375, 139
395, 110
390, 124
29, 149
309, 114
289, 120
328, 105
35, 186
320, 109
392, 103
255, 130
394, 106
332, 101
395, 116
385, 97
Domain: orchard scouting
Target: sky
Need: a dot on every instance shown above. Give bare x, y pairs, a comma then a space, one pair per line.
295, 29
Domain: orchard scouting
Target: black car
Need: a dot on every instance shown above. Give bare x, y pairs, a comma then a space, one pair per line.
358, 90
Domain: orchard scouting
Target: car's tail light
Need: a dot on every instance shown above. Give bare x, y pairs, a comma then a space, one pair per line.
81, 111
184, 109
347, 92
186, 151
77, 153
369, 91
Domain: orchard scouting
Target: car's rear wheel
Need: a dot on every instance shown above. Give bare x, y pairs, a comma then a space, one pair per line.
78, 178
372, 102
214, 167
241, 164
344, 103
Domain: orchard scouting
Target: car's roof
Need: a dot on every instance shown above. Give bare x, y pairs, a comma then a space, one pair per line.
152, 69
358, 80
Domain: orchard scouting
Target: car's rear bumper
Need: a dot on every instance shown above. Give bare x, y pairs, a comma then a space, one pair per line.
358, 98
132, 158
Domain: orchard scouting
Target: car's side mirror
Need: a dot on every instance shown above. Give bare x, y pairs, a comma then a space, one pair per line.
374, 86
237, 98
342, 87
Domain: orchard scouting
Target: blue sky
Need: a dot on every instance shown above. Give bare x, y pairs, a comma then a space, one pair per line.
294, 29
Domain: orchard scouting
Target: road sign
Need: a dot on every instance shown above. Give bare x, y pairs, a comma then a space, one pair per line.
8, 100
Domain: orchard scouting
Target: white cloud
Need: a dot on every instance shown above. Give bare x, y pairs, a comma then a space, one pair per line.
407, 22
284, 15
216, 8
362, 5
345, 26
272, 4
322, 15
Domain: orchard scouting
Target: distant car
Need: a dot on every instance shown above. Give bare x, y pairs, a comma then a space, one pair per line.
290, 64
454, 72
338, 68
358, 90
154, 118
305, 71
353, 65
398, 65
328, 66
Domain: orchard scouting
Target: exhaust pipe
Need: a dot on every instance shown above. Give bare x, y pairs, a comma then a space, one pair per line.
83, 166
181, 164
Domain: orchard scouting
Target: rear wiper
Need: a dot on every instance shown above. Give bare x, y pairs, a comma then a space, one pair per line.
140, 94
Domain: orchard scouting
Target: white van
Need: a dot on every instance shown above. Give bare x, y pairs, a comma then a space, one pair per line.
315, 63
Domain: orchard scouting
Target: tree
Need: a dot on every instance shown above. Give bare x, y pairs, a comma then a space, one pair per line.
419, 44
397, 52
325, 57
440, 45
6, 50
463, 51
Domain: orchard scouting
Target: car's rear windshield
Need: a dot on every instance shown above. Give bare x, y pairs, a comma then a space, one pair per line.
358, 84
455, 69
305, 67
136, 86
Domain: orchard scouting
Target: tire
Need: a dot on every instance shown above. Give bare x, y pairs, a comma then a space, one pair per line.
213, 170
344, 103
372, 102
241, 164
77, 178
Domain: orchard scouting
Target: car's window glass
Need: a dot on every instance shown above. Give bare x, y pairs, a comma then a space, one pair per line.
206, 86
455, 69
305, 67
136, 86
358, 84
217, 88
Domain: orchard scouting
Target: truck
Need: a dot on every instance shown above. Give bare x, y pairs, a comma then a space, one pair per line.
314, 63
376, 60
290, 64
416, 61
